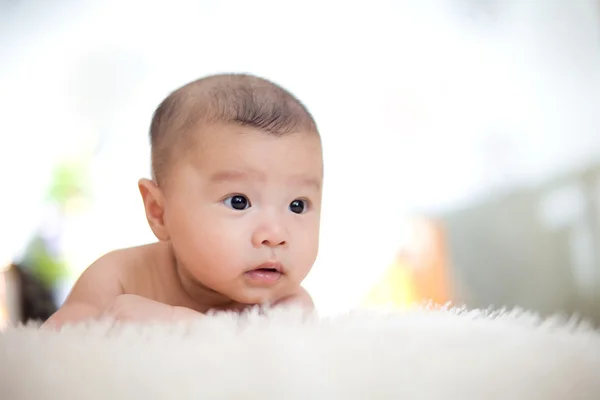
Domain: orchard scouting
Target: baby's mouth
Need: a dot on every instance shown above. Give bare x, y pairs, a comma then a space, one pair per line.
266, 274
266, 269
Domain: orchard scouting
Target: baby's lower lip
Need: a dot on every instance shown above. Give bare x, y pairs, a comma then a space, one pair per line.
264, 276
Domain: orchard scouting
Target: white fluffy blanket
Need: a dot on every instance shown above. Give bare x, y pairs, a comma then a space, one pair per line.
418, 354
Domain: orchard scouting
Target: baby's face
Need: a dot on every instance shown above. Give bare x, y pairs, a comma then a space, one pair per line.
243, 213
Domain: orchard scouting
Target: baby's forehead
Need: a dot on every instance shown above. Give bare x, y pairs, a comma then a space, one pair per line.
184, 122
236, 154
230, 145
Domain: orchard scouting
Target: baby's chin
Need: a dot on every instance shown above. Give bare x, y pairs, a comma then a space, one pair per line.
255, 299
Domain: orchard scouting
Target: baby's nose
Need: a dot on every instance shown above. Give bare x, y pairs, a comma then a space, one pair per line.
271, 235
270, 243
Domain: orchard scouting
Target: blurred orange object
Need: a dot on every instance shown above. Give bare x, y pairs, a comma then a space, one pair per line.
4, 317
420, 272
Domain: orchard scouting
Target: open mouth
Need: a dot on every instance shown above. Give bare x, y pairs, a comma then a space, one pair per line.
268, 273
270, 267
266, 269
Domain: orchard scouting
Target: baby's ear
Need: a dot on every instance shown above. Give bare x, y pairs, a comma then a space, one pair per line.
154, 207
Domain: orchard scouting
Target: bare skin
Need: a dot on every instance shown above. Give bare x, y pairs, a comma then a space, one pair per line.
143, 284
237, 225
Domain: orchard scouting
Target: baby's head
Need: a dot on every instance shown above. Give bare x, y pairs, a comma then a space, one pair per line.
238, 172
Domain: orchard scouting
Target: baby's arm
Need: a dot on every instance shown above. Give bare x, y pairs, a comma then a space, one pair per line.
95, 290
98, 293
129, 307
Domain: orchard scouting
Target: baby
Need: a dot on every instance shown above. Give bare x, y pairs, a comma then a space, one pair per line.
234, 202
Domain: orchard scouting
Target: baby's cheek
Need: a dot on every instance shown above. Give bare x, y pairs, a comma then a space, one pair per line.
310, 245
223, 245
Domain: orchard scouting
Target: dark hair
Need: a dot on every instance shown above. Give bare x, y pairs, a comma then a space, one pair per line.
240, 99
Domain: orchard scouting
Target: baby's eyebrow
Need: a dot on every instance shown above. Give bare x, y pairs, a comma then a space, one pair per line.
314, 183
229, 175
238, 175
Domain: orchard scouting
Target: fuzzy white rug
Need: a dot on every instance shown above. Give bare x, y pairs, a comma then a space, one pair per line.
418, 354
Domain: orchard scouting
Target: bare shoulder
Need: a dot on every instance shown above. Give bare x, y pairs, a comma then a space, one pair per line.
100, 284
102, 281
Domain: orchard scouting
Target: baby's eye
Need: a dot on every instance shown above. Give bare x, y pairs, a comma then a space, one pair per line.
298, 206
237, 202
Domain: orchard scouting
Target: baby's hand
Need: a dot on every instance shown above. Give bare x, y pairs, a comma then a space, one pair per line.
301, 298
129, 307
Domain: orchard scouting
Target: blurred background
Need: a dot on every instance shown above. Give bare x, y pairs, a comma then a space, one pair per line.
461, 139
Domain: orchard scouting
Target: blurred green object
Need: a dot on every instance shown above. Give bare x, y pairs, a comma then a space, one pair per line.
43, 263
44, 254
69, 181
